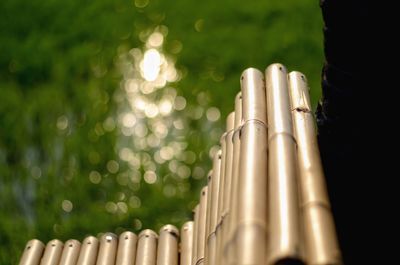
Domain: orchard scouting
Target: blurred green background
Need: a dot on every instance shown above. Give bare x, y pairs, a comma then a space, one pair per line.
110, 110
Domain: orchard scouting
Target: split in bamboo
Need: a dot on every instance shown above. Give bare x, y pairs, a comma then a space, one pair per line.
167, 250
146, 248
321, 244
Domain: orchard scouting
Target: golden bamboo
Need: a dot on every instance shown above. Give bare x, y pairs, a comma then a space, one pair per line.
265, 201
126, 253
208, 214
201, 236
146, 248
107, 249
167, 251
195, 233
88, 253
52, 253
228, 250
186, 243
250, 231
285, 239
70, 253
32, 253
225, 188
213, 217
320, 236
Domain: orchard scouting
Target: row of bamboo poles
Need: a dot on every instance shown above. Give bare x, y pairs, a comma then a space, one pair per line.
265, 201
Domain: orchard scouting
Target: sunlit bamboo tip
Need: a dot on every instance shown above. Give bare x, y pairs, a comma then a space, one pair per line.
230, 121
299, 95
203, 191
276, 67
167, 251
209, 176
126, 248
90, 240
187, 226
171, 229
147, 248
253, 96
88, 252
148, 233
52, 253
70, 253
238, 110
32, 252
186, 243
218, 154
107, 249
251, 71
108, 237
127, 235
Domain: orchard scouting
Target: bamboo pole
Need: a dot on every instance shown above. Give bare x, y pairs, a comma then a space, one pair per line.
167, 251
70, 252
201, 234
211, 239
228, 251
88, 253
186, 243
251, 228
225, 187
208, 214
146, 248
285, 238
321, 243
126, 253
32, 253
107, 249
195, 233
217, 232
52, 253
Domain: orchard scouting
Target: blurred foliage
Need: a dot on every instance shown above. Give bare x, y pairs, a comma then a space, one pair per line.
79, 154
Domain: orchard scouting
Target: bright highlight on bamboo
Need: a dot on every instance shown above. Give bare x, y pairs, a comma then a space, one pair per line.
265, 200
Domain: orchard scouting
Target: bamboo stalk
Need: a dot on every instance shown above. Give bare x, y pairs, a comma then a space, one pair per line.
319, 229
186, 243
211, 239
146, 248
285, 238
201, 237
70, 252
225, 188
126, 253
107, 249
195, 233
167, 251
250, 231
208, 214
52, 253
228, 251
32, 253
88, 253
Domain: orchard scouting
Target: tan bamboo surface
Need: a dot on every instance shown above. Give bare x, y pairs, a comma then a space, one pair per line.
264, 202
